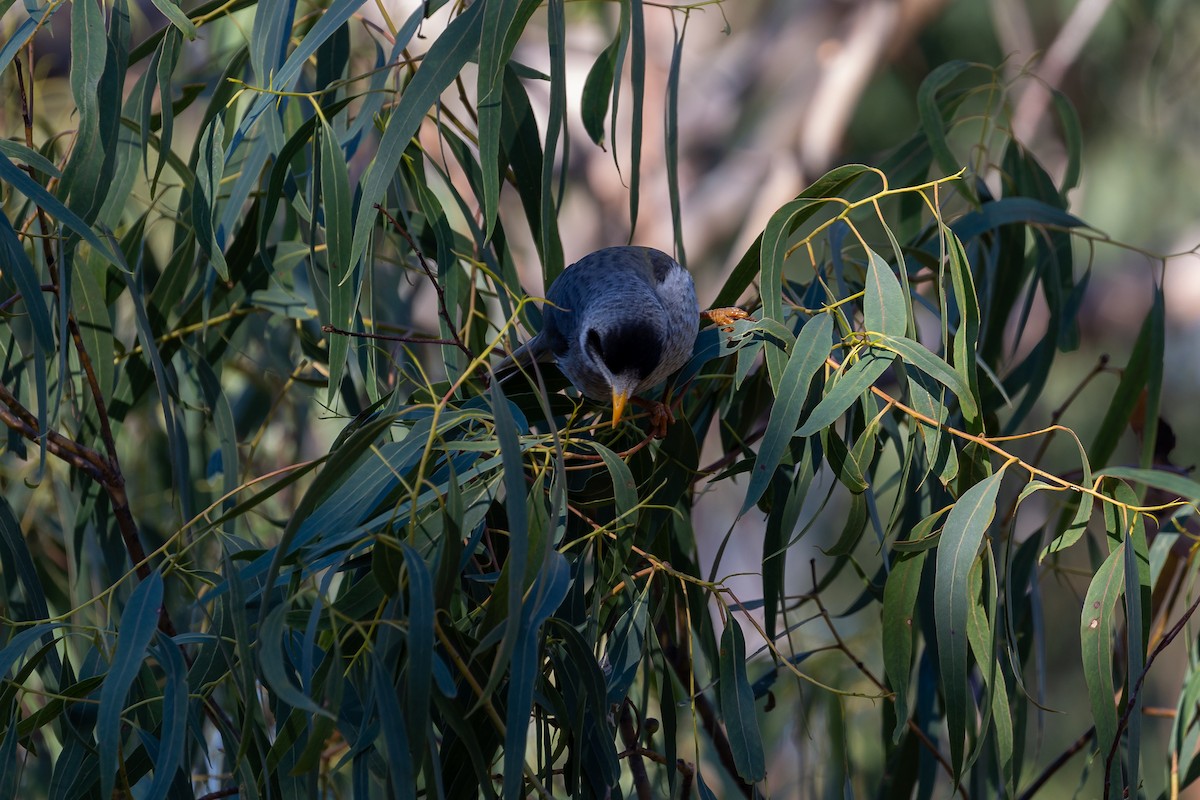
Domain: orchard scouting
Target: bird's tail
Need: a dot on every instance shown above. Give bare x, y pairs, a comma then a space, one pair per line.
522, 359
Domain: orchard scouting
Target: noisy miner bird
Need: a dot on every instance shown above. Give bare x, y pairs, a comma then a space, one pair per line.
618, 322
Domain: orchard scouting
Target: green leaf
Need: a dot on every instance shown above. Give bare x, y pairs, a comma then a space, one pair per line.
420, 649
899, 604
343, 286
550, 239
1128, 393
885, 306
34, 159
442, 64
503, 21
210, 167
966, 338
178, 18
843, 393
919, 356
16, 177
1166, 481
139, 621
1095, 635
956, 552
808, 354
931, 116
737, 706
26, 278
624, 650
593, 105
764, 258
637, 83
671, 135
1072, 138
927, 399
169, 759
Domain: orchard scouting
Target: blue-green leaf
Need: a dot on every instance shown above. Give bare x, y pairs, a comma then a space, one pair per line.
920, 357
956, 552
843, 393
169, 758
178, 18
1095, 634
885, 305
808, 354
139, 621
737, 706
442, 64
899, 602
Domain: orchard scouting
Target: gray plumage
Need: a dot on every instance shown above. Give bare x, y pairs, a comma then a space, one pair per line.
618, 322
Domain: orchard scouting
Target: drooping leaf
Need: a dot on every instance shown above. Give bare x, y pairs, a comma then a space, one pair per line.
808, 354
957, 551
737, 706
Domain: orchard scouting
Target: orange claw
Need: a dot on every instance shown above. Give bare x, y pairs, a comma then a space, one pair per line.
725, 317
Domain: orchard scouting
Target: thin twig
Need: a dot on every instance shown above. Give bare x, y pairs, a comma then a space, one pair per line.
1170, 636
678, 658
386, 337
443, 311
1057, 764
637, 768
113, 479
841, 645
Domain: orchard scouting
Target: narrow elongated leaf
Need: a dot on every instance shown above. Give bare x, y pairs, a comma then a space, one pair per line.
843, 393
1128, 393
139, 621
1166, 481
442, 64
737, 706
966, 338
808, 354
764, 258
420, 647
956, 552
178, 18
1095, 635
672, 140
931, 116
624, 651
899, 602
556, 126
637, 83
546, 595
885, 306
32, 158
169, 759
16, 177
343, 289
916, 354
23, 274
593, 106
518, 516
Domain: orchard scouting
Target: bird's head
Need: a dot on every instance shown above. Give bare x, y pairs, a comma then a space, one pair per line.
625, 354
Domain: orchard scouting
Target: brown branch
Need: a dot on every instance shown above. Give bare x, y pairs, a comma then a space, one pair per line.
678, 658
110, 477
386, 337
637, 768
1170, 636
1057, 764
841, 645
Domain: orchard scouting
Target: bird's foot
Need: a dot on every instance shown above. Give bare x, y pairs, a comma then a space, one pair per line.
725, 317
661, 416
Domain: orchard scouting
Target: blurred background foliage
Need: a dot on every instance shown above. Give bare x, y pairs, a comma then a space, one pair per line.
372, 565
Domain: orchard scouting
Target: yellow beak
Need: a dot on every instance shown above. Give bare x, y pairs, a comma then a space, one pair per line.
619, 400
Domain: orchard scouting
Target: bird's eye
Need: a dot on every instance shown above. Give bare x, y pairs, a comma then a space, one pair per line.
594, 345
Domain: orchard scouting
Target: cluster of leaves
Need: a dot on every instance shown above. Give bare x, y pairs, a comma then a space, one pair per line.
479, 589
